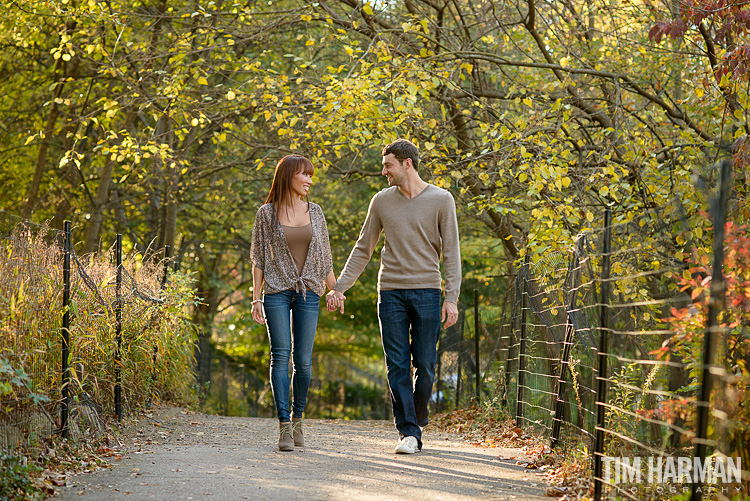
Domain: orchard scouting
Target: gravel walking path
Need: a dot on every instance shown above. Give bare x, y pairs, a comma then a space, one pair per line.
179, 454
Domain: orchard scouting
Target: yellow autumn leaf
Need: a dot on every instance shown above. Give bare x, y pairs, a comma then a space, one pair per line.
231, 95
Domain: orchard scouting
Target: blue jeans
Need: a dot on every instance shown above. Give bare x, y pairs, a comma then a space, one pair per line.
405, 313
291, 320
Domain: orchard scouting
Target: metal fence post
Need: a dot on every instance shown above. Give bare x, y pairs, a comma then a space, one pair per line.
562, 383
715, 305
522, 343
601, 394
167, 255
511, 340
118, 328
65, 404
476, 342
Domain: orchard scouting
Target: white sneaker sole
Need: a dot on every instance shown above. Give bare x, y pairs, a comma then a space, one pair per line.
406, 450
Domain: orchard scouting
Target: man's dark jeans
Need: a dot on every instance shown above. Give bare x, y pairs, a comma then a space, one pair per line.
410, 325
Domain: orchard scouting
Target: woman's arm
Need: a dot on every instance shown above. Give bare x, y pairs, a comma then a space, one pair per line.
331, 280
334, 300
257, 308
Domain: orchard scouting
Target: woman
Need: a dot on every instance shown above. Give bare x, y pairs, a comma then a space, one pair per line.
292, 265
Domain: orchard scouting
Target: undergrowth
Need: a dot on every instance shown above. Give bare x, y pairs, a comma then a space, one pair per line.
157, 341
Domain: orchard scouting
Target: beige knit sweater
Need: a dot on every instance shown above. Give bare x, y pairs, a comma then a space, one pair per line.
416, 231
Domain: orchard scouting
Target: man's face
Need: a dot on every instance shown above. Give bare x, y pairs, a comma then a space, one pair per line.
394, 170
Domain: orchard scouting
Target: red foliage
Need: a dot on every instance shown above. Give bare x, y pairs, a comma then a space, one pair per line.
730, 20
689, 325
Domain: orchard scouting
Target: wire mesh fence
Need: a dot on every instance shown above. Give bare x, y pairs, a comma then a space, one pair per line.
607, 349
339, 389
82, 336
32, 309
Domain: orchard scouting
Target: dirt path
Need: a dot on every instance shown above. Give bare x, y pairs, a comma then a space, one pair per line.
178, 454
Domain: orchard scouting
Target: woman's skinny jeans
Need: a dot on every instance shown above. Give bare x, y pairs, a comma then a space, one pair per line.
291, 320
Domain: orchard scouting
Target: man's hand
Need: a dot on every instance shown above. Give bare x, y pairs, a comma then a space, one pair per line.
335, 300
450, 314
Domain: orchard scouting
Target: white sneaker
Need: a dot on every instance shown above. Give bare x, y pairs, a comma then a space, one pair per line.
407, 445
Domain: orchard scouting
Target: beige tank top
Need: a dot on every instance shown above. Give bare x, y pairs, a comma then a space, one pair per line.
298, 240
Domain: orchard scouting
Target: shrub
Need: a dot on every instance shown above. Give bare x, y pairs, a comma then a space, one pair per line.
157, 335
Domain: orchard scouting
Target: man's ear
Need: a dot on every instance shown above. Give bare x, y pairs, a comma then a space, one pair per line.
409, 162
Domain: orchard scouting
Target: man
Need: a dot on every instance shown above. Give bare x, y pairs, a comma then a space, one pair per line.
419, 221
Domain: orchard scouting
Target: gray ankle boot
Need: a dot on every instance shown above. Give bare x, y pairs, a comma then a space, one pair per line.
299, 437
286, 441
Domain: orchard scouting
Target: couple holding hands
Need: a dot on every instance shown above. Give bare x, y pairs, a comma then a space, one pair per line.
292, 266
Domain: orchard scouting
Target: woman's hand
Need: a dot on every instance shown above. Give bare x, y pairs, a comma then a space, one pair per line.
258, 312
335, 300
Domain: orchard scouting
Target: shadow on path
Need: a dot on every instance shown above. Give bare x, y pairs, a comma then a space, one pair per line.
183, 455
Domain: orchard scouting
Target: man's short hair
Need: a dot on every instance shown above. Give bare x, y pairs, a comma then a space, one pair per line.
403, 149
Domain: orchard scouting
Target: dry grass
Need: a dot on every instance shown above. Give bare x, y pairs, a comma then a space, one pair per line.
31, 290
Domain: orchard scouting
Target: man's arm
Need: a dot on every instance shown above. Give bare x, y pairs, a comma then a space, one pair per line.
448, 222
362, 251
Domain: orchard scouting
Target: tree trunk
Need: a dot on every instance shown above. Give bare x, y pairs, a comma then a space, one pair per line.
208, 297
59, 73
41, 159
102, 195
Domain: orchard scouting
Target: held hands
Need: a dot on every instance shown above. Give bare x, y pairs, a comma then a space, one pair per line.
335, 300
449, 314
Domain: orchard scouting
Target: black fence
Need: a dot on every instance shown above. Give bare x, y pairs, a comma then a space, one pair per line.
594, 349
339, 389
78, 333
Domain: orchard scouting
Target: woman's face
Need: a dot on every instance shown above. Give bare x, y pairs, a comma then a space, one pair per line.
301, 183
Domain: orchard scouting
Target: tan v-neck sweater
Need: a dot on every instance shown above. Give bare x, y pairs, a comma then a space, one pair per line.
417, 231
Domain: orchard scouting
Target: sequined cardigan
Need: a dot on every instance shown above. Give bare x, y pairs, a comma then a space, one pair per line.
270, 253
